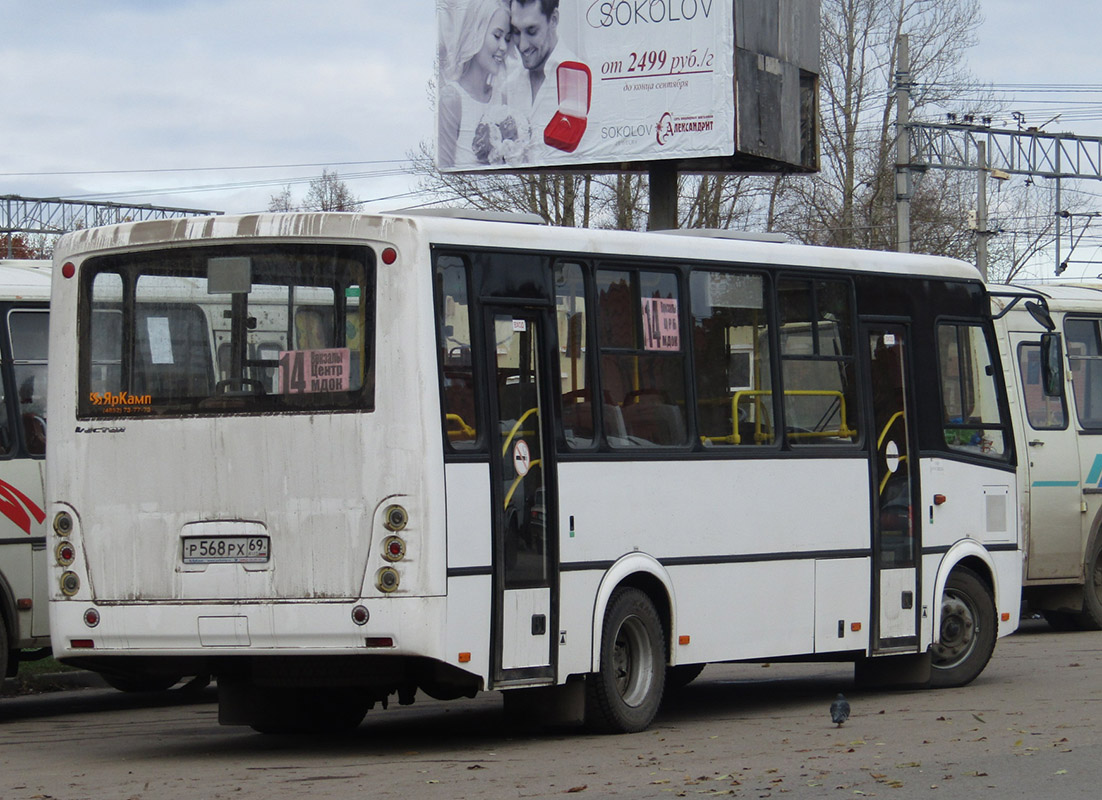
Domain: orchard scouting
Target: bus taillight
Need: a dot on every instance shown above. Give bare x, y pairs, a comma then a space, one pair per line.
394, 548
65, 553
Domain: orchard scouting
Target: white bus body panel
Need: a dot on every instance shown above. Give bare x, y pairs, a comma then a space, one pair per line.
750, 593
22, 553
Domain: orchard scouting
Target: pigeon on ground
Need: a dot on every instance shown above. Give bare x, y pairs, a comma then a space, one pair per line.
839, 710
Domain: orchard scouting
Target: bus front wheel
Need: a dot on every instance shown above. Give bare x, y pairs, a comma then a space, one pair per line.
968, 631
624, 694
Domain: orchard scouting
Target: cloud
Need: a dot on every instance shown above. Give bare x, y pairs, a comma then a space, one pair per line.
199, 83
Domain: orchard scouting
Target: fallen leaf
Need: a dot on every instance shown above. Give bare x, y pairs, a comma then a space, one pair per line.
978, 718
576, 789
1061, 772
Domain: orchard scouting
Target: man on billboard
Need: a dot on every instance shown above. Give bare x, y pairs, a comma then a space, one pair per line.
533, 90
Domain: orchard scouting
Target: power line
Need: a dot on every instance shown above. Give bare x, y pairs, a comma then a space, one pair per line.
169, 170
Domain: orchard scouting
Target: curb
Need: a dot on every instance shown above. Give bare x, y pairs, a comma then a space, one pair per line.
52, 682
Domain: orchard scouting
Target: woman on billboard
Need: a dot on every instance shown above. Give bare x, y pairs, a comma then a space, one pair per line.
473, 73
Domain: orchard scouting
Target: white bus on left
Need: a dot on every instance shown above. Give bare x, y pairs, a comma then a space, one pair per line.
24, 321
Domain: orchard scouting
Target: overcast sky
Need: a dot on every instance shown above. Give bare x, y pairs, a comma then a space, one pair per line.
95, 91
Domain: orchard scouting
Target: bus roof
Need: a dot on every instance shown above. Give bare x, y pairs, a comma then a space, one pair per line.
468, 232
24, 279
1063, 292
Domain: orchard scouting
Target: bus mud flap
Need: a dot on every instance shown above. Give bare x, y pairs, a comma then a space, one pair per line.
908, 671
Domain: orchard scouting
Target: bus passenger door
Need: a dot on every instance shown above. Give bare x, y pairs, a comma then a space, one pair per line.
895, 530
1051, 461
525, 560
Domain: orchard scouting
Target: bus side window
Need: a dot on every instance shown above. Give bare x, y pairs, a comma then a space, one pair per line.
969, 393
1085, 359
457, 368
642, 358
29, 332
575, 396
732, 359
817, 361
6, 435
1044, 411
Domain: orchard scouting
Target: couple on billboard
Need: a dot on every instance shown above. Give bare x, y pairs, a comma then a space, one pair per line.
499, 92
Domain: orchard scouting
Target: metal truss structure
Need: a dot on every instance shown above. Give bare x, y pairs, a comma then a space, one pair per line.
54, 216
1012, 152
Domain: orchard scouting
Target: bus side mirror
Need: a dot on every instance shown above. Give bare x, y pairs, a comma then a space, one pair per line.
1052, 371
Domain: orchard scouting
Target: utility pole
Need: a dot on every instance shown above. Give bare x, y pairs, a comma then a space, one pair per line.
903, 184
981, 209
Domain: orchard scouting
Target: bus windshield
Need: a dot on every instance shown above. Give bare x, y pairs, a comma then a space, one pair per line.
226, 330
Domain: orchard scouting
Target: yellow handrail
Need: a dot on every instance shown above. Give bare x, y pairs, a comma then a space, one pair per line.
513, 432
516, 482
887, 425
464, 428
843, 430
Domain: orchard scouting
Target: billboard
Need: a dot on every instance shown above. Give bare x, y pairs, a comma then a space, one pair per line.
565, 83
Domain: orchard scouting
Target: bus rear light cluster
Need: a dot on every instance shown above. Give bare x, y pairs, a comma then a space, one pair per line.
360, 615
65, 553
394, 548
91, 617
70, 583
395, 518
387, 579
63, 523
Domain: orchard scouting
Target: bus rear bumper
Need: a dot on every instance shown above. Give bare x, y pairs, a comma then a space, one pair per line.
393, 626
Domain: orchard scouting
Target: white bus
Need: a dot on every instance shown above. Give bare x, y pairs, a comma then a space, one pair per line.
24, 596
572, 465
1059, 430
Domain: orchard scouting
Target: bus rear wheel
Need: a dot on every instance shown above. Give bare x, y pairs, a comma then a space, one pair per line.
1090, 618
967, 631
623, 696
4, 655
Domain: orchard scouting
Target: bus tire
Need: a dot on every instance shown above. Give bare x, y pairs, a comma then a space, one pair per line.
1090, 619
968, 631
4, 654
623, 696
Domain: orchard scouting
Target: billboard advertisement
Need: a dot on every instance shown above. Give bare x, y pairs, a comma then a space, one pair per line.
559, 83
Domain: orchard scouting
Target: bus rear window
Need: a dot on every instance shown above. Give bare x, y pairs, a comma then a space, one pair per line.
226, 330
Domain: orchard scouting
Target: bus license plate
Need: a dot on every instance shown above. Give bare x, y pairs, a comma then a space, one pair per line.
226, 550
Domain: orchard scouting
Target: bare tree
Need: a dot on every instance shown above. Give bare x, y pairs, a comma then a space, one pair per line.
329, 193
853, 198
326, 193
281, 201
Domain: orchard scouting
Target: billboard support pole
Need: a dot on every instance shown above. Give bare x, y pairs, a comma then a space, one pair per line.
663, 196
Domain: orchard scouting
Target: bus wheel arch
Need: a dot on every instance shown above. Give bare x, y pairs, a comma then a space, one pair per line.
965, 620
641, 572
624, 693
632, 623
